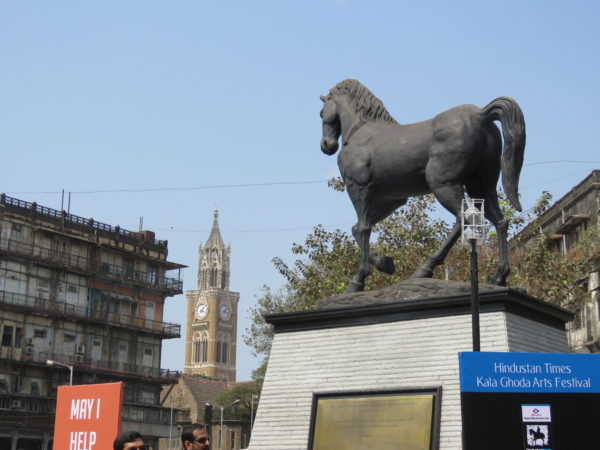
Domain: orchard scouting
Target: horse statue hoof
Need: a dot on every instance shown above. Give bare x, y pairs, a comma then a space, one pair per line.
354, 286
498, 281
386, 264
422, 272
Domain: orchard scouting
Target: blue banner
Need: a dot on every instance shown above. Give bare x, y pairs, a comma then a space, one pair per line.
529, 372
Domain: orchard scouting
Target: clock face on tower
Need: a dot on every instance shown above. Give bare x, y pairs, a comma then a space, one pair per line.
225, 312
201, 310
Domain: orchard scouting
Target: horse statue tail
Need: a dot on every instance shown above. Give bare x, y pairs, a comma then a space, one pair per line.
508, 112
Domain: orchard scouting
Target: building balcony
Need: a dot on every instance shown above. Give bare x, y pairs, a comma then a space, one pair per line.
171, 285
77, 263
39, 411
84, 363
45, 255
33, 305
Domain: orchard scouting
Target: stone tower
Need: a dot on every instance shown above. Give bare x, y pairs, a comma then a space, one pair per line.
210, 344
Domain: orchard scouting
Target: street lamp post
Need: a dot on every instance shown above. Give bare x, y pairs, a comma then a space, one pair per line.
473, 231
53, 363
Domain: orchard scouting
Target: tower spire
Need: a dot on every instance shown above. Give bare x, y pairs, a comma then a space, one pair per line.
215, 240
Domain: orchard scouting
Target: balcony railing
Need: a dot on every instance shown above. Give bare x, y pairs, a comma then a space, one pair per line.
171, 330
64, 217
81, 362
72, 261
151, 278
45, 254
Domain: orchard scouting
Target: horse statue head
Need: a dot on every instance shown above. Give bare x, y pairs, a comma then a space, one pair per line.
347, 107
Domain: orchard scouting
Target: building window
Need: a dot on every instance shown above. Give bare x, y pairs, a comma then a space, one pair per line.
214, 272
69, 337
34, 388
200, 348
16, 233
128, 268
149, 310
4, 402
18, 337
7, 336
40, 333
152, 274
223, 348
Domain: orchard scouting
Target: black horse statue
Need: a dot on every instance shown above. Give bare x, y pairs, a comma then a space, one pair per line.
383, 163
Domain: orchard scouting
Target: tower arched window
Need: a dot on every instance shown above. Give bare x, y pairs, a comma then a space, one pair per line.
204, 276
200, 348
223, 348
214, 273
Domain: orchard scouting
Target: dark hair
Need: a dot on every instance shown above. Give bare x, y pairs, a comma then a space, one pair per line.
187, 434
124, 438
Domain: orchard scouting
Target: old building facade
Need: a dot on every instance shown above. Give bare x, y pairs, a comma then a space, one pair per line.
566, 223
89, 296
211, 332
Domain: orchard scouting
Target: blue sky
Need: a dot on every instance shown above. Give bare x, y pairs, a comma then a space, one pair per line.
133, 95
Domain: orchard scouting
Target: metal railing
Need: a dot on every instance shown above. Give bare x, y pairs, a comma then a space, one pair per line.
62, 216
45, 254
42, 305
84, 362
151, 278
70, 260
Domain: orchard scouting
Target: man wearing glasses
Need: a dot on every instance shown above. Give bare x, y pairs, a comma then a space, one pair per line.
195, 437
129, 440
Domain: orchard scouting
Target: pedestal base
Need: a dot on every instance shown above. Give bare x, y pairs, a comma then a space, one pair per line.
394, 345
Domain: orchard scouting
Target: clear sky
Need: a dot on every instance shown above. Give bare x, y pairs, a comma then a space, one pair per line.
176, 104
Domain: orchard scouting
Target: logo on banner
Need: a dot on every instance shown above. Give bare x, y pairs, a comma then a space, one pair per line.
536, 413
537, 435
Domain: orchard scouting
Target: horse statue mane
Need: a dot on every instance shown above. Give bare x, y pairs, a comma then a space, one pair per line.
369, 107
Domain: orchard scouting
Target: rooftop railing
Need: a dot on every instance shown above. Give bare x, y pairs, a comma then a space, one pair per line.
42, 305
62, 216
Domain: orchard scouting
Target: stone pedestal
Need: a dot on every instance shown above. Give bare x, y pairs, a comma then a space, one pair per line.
405, 337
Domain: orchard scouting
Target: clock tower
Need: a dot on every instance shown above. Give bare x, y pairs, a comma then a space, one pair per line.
210, 344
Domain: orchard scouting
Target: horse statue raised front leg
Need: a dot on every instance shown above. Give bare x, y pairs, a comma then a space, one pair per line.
384, 163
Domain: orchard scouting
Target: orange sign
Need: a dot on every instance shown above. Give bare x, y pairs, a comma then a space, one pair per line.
88, 416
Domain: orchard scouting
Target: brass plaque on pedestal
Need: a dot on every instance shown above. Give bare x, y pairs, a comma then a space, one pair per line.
383, 421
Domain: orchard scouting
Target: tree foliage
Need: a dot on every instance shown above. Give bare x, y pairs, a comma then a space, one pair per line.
237, 401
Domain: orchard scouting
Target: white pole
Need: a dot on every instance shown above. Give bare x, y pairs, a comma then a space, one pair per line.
52, 363
171, 423
221, 430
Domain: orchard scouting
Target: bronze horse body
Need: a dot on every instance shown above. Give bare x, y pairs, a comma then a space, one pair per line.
383, 163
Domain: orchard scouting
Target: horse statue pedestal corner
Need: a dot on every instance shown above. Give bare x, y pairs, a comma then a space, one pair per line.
406, 337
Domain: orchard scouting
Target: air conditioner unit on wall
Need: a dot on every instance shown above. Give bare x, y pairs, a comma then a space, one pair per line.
29, 350
80, 348
29, 341
79, 358
16, 404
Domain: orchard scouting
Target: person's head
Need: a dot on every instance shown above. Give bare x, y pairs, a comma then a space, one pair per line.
195, 437
129, 440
